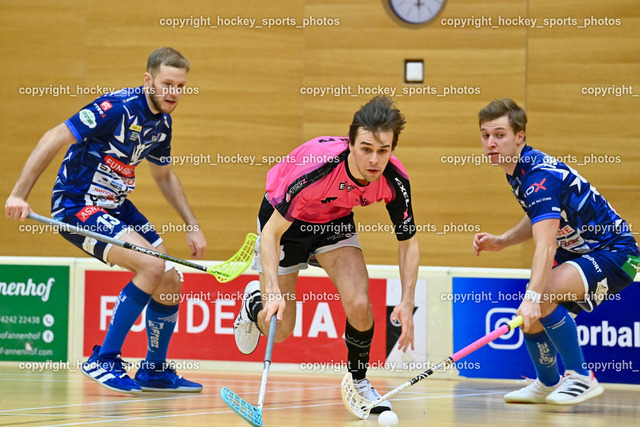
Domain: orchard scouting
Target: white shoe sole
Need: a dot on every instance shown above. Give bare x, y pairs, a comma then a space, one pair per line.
247, 336
173, 390
117, 390
586, 396
245, 331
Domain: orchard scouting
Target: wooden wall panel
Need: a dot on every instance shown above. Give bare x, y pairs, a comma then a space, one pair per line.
596, 134
244, 107
42, 46
368, 50
249, 103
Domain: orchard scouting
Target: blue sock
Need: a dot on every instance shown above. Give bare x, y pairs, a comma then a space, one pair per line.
161, 321
543, 355
128, 307
563, 332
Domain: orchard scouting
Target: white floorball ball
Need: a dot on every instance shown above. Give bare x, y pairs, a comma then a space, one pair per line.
388, 418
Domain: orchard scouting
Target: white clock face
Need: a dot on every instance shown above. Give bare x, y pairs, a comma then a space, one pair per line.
416, 11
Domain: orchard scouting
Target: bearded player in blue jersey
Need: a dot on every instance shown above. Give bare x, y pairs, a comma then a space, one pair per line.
584, 254
106, 140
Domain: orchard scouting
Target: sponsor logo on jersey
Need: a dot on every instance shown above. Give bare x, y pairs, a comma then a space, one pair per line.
99, 110
345, 186
136, 128
87, 211
535, 187
105, 105
363, 201
102, 192
570, 243
107, 170
567, 230
119, 167
297, 186
329, 199
405, 194
88, 118
115, 182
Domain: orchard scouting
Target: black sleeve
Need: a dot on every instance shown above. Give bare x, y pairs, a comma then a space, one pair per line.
399, 208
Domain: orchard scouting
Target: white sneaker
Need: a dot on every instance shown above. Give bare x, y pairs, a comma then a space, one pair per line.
535, 392
245, 330
575, 388
366, 390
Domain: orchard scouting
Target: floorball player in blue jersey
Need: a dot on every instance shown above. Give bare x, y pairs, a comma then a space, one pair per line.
105, 141
584, 253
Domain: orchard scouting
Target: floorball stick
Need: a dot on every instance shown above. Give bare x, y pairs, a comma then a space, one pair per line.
223, 273
360, 407
253, 414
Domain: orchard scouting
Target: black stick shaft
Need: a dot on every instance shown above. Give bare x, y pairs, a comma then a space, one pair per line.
62, 226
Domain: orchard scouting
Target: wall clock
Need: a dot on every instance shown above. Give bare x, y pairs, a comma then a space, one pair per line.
414, 12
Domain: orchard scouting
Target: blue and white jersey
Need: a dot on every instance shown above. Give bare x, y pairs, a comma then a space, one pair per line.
547, 188
114, 134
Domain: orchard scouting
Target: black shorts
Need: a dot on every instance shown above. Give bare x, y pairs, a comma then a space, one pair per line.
302, 240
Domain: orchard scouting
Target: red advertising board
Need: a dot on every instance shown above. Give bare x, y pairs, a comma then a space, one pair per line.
208, 309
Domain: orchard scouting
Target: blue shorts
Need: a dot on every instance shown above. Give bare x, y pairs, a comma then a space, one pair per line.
109, 223
602, 276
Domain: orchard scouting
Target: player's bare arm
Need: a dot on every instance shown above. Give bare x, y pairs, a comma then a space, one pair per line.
16, 206
408, 262
273, 230
544, 236
172, 190
521, 232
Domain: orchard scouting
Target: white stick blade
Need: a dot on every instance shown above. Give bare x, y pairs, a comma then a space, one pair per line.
357, 405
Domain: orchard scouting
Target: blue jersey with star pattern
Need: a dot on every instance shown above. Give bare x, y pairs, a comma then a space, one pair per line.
114, 134
547, 188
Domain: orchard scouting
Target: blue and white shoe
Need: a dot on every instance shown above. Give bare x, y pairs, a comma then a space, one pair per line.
164, 378
109, 373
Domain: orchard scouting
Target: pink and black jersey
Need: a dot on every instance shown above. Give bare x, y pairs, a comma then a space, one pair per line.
313, 184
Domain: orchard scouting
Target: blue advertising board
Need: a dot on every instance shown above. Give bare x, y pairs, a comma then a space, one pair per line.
609, 336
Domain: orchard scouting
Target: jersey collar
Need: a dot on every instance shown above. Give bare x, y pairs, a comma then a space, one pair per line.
145, 104
355, 181
520, 167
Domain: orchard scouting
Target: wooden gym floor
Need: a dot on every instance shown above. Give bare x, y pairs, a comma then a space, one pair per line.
68, 398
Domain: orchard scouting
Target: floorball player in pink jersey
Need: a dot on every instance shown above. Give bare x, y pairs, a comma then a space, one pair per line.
307, 213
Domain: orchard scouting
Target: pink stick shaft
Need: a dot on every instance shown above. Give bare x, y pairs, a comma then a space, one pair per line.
479, 343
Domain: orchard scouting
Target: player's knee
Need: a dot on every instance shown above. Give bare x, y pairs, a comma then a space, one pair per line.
359, 310
546, 308
153, 269
173, 279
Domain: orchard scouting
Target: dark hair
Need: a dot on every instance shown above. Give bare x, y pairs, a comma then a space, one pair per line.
168, 57
505, 106
380, 114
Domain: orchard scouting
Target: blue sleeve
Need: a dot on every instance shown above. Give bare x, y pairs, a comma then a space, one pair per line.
97, 118
161, 155
542, 192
